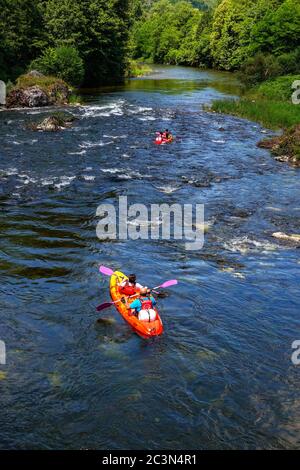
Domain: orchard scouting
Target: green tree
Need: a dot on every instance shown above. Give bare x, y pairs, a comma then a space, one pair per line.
98, 29
279, 30
22, 35
63, 62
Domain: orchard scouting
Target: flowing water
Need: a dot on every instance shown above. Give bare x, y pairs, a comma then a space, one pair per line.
222, 375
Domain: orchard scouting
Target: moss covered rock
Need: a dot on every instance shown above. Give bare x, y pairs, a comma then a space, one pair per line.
36, 90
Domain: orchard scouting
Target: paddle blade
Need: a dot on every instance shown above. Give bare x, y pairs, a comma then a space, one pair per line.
106, 271
169, 284
104, 306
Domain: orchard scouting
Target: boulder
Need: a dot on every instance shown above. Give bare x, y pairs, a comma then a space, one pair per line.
59, 93
50, 124
283, 236
53, 123
36, 97
28, 98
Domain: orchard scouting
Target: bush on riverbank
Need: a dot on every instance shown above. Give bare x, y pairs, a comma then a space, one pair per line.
263, 67
62, 62
137, 69
279, 89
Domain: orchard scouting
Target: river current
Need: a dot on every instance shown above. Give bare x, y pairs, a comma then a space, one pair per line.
222, 375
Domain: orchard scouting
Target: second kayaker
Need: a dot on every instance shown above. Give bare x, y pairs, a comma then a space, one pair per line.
144, 306
130, 286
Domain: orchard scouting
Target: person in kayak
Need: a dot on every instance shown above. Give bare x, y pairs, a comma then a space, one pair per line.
144, 306
166, 135
159, 137
130, 286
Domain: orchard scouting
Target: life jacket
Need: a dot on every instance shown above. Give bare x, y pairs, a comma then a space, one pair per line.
146, 304
158, 140
128, 290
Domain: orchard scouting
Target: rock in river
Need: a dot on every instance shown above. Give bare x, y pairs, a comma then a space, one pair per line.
31, 97
284, 236
53, 123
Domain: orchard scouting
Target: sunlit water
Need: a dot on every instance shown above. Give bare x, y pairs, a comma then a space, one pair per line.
221, 376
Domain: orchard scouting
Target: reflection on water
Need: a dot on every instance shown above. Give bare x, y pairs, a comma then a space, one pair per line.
221, 376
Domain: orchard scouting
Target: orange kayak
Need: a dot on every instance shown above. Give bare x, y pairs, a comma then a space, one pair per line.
144, 329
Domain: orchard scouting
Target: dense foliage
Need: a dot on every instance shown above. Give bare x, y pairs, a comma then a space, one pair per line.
96, 30
64, 62
94, 41
224, 36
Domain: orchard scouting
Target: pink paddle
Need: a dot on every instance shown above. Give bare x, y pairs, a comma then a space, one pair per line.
109, 272
167, 284
106, 271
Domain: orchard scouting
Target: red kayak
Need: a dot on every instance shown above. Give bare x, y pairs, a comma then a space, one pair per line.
161, 140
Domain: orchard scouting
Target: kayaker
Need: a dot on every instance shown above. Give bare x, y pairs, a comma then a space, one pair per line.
144, 306
166, 134
130, 286
159, 137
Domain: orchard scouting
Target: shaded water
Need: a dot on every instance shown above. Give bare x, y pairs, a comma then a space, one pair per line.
221, 376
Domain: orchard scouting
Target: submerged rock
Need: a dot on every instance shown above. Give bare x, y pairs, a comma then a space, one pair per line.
284, 236
106, 321
53, 123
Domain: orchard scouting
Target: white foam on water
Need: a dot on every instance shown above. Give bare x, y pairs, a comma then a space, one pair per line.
124, 174
115, 136
89, 145
88, 177
110, 170
219, 141
139, 109
111, 109
167, 189
64, 181
82, 152
245, 245
148, 118
47, 182
275, 209
10, 172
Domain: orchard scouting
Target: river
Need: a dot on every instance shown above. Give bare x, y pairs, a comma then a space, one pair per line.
222, 375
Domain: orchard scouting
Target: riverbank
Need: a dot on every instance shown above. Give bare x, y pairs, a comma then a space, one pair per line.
270, 104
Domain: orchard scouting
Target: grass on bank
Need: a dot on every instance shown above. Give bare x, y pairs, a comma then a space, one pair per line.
137, 69
272, 114
269, 103
44, 82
